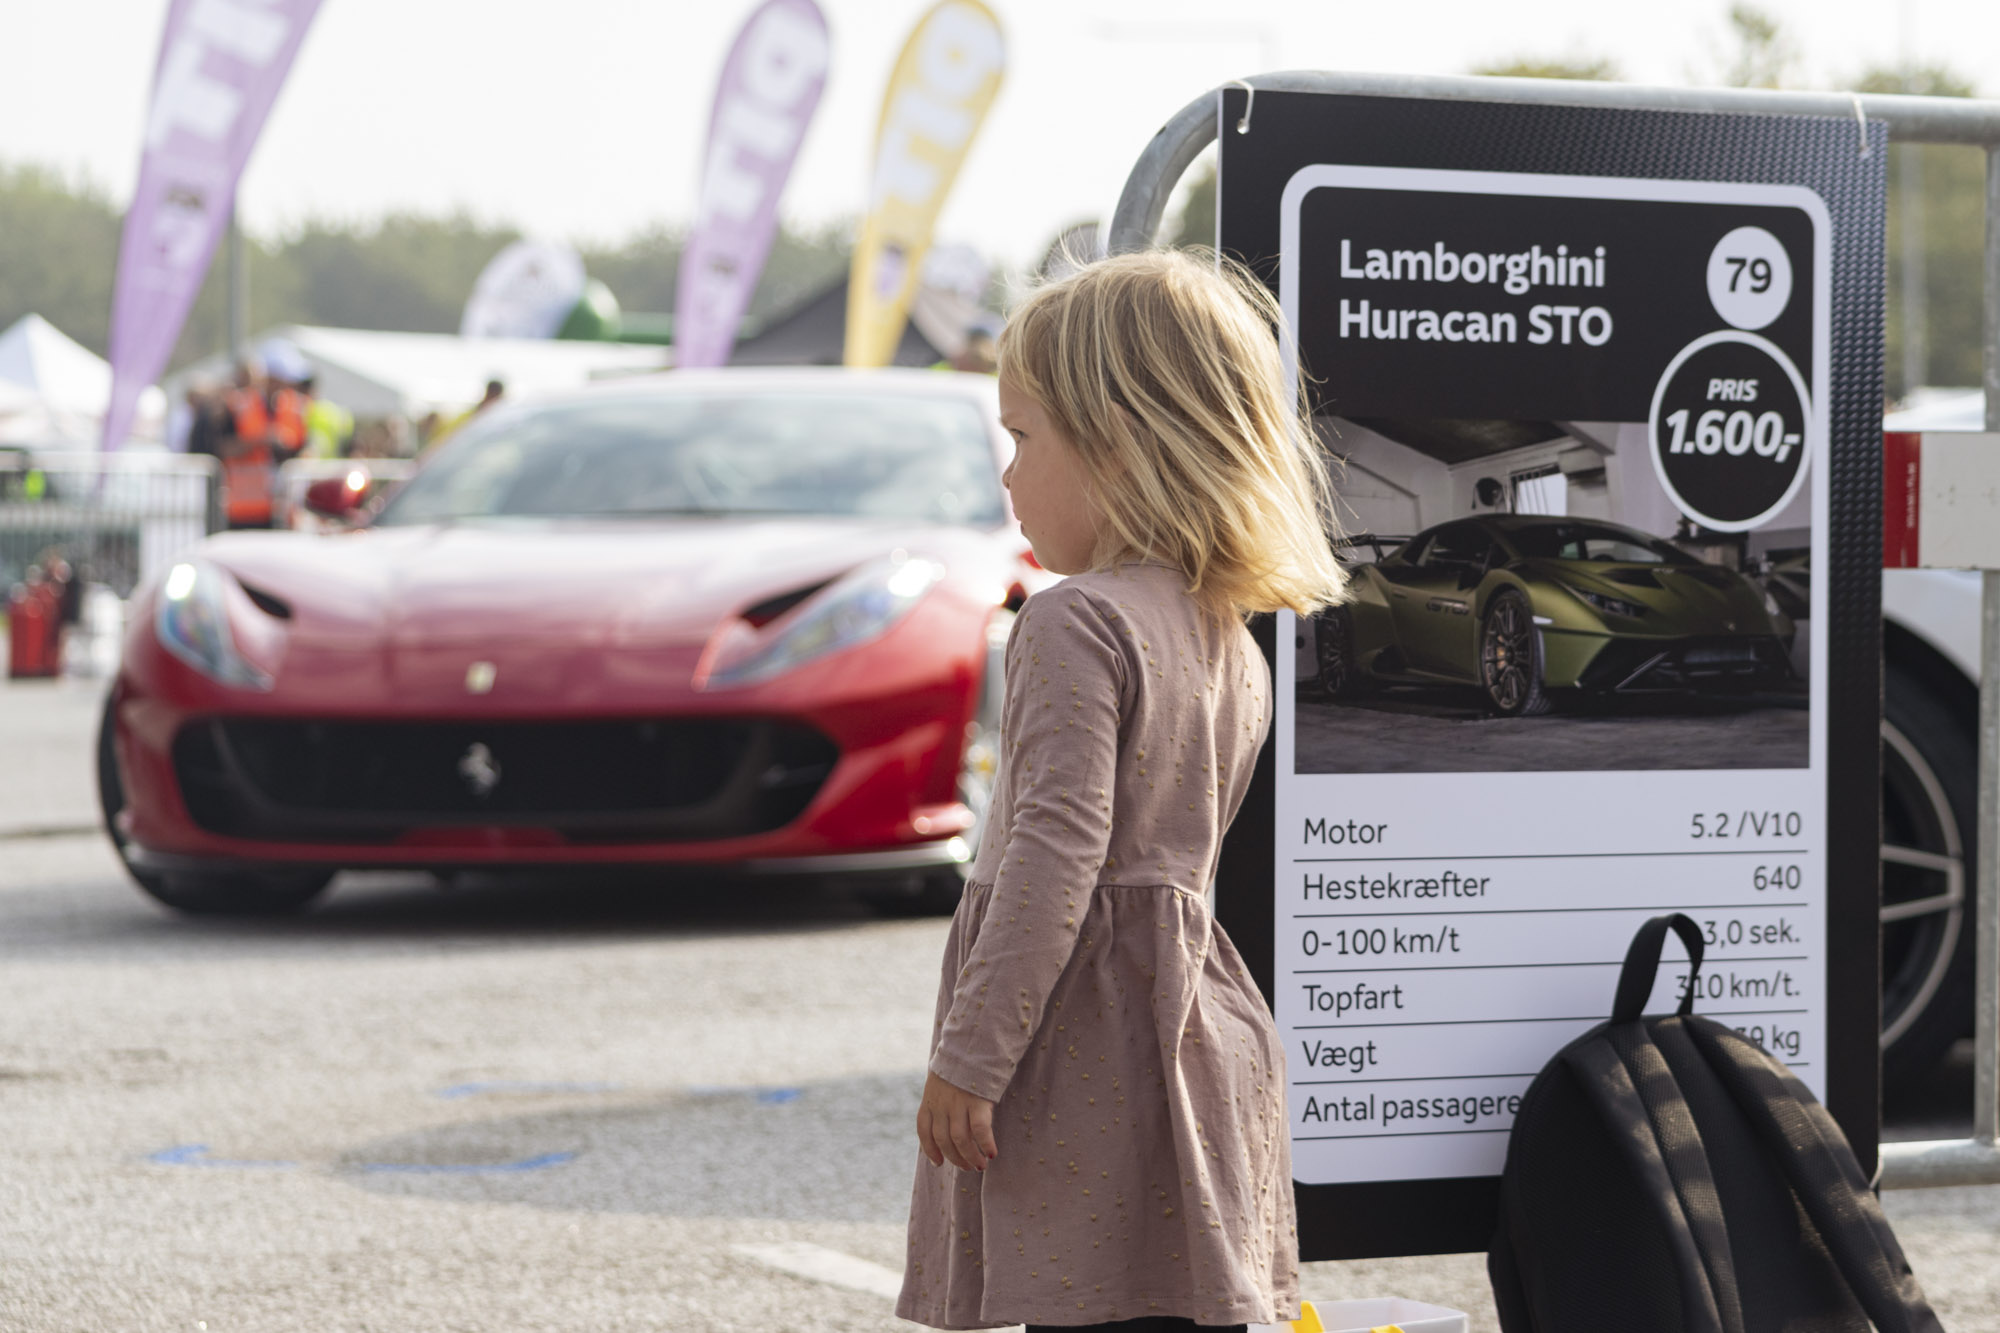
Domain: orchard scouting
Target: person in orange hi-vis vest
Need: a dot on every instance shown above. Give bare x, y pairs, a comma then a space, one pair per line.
268, 421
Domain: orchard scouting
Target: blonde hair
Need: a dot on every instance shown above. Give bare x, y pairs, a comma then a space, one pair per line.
1163, 370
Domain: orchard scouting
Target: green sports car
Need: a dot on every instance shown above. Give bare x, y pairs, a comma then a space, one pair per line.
1521, 606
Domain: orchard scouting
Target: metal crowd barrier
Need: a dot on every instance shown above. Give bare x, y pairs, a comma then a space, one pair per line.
1143, 202
115, 518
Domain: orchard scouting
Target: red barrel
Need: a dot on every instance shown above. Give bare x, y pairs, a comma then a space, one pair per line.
34, 630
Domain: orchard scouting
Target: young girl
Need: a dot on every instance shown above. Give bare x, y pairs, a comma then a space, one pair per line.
1104, 1122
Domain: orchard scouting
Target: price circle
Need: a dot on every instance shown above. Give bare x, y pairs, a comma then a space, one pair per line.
1730, 431
1749, 278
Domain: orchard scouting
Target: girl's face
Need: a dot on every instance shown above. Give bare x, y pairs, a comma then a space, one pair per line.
1049, 486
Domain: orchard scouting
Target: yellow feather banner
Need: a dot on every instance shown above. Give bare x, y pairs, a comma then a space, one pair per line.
938, 96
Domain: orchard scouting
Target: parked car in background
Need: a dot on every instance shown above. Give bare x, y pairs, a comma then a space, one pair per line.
744, 620
1930, 788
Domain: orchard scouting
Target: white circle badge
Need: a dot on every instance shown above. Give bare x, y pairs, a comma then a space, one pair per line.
1749, 278
1731, 430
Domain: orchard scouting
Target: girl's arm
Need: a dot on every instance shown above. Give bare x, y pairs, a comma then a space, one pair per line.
1066, 683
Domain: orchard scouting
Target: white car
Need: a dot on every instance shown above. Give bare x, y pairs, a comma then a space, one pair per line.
1930, 786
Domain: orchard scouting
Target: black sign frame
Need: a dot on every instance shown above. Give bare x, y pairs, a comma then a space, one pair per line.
1840, 161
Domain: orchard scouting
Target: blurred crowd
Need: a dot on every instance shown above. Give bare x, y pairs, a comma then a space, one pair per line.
271, 411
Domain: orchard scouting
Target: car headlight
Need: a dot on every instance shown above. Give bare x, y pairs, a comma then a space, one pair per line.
853, 609
1613, 606
192, 623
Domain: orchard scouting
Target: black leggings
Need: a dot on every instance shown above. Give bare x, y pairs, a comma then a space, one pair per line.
1157, 1323
1151, 1323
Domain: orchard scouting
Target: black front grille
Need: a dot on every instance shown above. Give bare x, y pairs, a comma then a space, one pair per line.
640, 780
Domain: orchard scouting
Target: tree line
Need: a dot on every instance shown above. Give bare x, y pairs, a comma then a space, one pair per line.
1755, 51
405, 271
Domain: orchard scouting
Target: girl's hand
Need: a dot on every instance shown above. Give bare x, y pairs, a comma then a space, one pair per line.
955, 1126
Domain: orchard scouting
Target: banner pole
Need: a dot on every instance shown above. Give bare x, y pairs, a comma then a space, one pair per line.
237, 298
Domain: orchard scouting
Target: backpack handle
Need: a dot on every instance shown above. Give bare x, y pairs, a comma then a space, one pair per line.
1642, 965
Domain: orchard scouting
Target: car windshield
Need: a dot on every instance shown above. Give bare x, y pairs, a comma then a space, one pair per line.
916, 456
1595, 541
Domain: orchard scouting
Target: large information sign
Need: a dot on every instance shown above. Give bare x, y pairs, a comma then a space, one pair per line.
1595, 379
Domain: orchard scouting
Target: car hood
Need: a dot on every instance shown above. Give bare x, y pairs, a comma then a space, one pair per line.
1680, 599
616, 582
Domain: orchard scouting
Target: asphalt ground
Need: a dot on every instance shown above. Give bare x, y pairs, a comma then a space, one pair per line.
517, 1106
1417, 730
47, 728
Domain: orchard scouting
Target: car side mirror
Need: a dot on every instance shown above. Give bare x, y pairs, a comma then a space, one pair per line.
337, 497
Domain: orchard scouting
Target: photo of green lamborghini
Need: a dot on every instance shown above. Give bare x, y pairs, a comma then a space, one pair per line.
1528, 609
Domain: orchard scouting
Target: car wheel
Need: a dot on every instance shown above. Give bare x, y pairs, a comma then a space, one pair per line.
936, 892
203, 894
1930, 779
1510, 658
1340, 674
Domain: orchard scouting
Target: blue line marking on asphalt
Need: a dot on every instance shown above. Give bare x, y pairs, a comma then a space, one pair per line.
766, 1096
458, 1090
542, 1163
196, 1154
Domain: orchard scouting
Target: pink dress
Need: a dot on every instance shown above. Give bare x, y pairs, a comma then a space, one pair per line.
1145, 1164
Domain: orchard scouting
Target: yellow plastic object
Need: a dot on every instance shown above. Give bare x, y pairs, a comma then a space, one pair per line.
1309, 1322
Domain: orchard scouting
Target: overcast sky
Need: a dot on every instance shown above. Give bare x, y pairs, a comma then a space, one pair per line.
584, 119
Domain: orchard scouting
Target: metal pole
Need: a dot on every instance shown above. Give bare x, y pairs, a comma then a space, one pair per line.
1143, 201
1976, 1161
1916, 291
237, 297
1992, 359
1910, 191
1986, 997
1986, 1002
1911, 119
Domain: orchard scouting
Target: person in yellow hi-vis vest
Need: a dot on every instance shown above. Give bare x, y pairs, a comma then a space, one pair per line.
329, 426
495, 391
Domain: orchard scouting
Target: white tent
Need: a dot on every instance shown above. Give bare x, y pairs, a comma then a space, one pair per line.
53, 390
375, 374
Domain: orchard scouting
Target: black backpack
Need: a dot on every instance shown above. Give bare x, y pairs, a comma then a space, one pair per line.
1666, 1174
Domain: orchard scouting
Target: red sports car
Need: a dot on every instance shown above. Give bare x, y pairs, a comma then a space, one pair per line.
750, 619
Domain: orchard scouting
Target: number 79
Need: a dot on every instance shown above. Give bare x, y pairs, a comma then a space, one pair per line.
1759, 269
